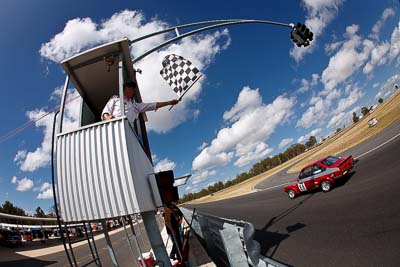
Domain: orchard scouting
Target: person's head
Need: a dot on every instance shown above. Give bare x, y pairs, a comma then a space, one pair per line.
129, 89
170, 205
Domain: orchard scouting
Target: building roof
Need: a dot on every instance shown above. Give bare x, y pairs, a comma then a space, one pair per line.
94, 73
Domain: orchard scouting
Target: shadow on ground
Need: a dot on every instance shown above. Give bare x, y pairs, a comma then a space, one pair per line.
28, 262
270, 241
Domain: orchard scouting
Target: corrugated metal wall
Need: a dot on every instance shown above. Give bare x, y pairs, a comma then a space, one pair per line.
94, 172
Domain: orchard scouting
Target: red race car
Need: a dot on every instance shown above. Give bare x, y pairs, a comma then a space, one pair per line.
321, 174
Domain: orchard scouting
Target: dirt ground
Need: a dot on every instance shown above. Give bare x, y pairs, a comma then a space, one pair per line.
386, 113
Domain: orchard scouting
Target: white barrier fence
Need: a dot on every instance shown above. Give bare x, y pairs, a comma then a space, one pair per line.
227, 242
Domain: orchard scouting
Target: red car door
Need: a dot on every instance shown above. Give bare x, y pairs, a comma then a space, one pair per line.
306, 181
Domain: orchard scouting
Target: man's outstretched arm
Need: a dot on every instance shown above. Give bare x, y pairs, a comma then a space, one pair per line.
167, 103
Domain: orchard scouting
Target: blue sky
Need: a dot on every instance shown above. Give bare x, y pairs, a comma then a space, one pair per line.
258, 96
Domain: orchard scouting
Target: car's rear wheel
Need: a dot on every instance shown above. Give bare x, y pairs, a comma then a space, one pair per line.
291, 194
326, 186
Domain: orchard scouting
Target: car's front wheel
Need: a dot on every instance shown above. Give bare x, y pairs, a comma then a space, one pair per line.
291, 194
326, 186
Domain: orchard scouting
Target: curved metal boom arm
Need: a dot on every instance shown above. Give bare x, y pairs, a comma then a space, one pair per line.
214, 24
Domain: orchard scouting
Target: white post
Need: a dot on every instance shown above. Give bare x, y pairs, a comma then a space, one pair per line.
109, 244
156, 242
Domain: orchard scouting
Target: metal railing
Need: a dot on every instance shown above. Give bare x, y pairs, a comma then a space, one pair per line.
227, 242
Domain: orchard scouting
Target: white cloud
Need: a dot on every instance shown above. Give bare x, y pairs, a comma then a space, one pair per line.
247, 102
378, 54
388, 12
164, 165
354, 95
45, 191
77, 34
247, 130
378, 57
306, 85
332, 47
46, 194
305, 137
337, 120
388, 86
57, 93
315, 79
207, 160
249, 154
23, 184
386, 51
342, 118
320, 107
351, 54
192, 189
319, 14
285, 142
394, 43
31, 161
388, 93
201, 50
375, 85
349, 58
196, 113
21, 155
336, 93
315, 114
188, 188
202, 176
45, 186
202, 146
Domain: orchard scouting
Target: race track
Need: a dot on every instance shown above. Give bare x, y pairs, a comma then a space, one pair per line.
356, 224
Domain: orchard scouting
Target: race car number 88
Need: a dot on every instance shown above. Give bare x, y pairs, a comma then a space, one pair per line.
302, 187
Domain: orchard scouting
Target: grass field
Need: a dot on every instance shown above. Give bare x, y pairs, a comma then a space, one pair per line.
386, 113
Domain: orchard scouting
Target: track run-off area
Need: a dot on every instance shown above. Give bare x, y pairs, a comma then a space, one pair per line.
355, 224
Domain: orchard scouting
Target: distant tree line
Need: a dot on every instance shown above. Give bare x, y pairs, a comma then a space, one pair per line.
365, 111
258, 168
9, 208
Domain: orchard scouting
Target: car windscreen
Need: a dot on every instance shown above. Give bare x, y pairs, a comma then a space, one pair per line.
330, 160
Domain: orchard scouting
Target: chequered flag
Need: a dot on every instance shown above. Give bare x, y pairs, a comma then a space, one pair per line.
179, 73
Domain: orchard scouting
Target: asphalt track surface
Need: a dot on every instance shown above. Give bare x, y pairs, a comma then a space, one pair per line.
355, 224
83, 255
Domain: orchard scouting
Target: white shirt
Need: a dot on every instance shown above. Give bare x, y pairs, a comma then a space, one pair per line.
132, 109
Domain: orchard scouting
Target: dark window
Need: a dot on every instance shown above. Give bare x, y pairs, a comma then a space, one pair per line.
318, 169
306, 172
329, 161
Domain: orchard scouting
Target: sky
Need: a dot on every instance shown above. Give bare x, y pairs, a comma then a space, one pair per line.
259, 93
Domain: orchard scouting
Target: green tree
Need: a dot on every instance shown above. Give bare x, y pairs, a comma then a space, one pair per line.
355, 118
364, 111
9, 208
311, 141
40, 213
380, 100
